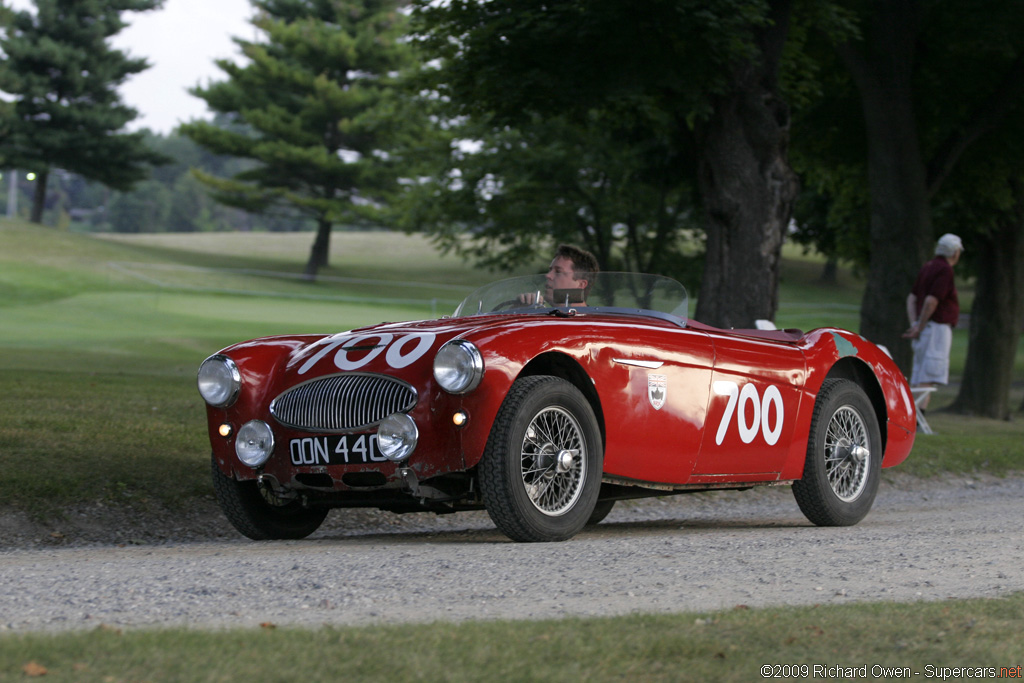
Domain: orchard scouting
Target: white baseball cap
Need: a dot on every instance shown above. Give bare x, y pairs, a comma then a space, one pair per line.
948, 245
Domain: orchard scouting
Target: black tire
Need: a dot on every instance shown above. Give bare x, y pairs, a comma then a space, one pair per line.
844, 457
601, 511
541, 471
252, 509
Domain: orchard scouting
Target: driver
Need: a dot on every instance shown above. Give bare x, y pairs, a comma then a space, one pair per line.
572, 268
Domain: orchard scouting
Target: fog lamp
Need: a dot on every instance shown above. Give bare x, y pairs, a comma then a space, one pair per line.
397, 436
255, 443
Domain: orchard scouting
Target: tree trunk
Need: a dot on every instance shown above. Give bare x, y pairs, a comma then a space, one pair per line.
996, 318
319, 254
830, 271
901, 227
747, 187
39, 197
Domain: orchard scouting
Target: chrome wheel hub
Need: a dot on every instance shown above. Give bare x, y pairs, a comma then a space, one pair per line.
565, 460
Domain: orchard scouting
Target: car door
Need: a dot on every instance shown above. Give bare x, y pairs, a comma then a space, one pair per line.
755, 396
655, 395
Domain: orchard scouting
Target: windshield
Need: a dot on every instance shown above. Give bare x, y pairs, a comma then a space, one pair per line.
633, 293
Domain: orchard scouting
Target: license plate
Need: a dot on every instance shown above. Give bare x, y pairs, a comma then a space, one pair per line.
336, 449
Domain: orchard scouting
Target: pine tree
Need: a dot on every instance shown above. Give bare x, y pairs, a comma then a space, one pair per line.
62, 75
316, 109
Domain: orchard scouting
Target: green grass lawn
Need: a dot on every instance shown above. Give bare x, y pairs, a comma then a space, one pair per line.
99, 343
885, 641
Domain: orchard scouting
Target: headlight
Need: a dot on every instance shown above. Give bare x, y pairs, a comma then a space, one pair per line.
219, 381
254, 443
397, 436
458, 366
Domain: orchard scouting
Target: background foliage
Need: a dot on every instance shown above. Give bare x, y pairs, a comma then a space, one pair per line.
661, 140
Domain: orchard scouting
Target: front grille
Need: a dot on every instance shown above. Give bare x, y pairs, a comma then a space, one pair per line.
339, 403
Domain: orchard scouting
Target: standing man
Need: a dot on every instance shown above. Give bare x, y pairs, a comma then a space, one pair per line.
933, 310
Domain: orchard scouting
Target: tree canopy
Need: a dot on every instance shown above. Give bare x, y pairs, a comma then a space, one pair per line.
701, 76
915, 133
932, 80
502, 194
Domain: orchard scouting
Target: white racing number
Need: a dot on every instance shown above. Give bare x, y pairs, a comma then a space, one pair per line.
745, 403
357, 350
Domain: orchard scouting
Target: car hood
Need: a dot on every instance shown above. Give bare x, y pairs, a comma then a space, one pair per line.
389, 348
402, 350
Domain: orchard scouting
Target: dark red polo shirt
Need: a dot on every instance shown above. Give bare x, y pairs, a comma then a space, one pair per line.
936, 279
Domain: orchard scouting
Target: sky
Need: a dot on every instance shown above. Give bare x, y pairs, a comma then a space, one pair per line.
180, 42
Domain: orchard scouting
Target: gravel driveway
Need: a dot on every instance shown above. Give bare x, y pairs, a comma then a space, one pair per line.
924, 540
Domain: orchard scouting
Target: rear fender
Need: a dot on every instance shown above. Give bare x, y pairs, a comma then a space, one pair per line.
860, 372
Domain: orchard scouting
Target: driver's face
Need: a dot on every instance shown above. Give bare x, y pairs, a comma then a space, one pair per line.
562, 275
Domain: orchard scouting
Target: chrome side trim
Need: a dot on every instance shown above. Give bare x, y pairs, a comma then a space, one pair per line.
649, 364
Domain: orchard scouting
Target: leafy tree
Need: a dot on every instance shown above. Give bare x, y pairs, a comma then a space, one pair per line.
174, 199
316, 111
932, 80
63, 76
933, 93
190, 210
503, 194
704, 75
142, 210
831, 218
986, 196
832, 213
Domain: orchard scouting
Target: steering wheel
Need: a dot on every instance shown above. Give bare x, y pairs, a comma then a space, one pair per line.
515, 303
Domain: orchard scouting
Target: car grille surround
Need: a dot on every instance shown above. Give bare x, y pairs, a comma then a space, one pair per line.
353, 401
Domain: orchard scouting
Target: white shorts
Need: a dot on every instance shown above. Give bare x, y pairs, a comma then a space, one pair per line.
931, 355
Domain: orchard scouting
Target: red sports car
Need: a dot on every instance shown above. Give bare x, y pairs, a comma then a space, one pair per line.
544, 409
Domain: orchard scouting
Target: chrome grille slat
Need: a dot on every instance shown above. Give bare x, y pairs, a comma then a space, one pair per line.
339, 403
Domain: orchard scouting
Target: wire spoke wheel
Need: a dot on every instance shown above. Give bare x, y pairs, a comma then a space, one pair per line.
847, 454
554, 461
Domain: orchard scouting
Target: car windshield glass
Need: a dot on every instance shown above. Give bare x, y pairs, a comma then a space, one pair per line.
633, 293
